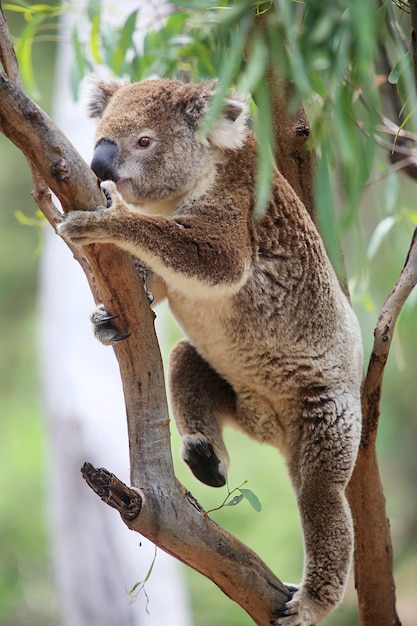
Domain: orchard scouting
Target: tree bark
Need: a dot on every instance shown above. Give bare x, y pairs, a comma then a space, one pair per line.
373, 547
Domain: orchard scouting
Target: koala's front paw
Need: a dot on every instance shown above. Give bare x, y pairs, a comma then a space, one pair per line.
98, 226
84, 227
202, 460
104, 329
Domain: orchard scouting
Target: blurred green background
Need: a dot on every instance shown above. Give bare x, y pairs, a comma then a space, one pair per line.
26, 584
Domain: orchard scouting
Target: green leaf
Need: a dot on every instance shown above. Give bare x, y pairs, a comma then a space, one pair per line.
399, 68
252, 499
23, 8
78, 68
125, 42
379, 234
95, 39
326, 210
228, 73
264, 132
24, 49
93, 9
405, 122
27, 220
411, 215
255, 71
235, 500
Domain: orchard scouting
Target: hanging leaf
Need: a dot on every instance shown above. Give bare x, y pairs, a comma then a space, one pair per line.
252, 499
402, 64
379, 234
95, 39
125, 42
265, 161
235, 500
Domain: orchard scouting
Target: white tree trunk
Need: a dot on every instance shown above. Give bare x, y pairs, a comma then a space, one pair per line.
96, 557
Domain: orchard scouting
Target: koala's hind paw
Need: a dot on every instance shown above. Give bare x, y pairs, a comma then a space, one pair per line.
297, 611
104, 329
202, 460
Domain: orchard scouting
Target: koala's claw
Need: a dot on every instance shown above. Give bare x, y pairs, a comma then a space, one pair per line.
199, 455
285, 611
101, 315
292, 589
104, 330
107, 193
149, 295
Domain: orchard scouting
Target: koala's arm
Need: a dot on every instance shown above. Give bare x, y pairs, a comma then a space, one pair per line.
208, 248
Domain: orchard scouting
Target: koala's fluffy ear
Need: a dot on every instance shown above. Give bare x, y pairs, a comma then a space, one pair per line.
229, 130
100, 94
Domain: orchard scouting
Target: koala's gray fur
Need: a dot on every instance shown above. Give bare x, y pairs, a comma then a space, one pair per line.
272, 345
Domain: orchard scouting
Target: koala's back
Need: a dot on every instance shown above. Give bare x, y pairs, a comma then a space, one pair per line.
288, 329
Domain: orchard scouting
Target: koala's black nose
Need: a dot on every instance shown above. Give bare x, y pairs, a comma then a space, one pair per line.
104, 160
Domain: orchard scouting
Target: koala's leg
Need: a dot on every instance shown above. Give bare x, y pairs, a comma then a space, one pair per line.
320, 465
201, 401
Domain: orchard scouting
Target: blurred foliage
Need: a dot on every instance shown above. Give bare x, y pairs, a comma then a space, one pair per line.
26, 591
40, 25
350, 65
330, 55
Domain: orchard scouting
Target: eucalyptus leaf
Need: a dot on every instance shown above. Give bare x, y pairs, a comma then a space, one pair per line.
252, 499
399, 68
379, 235
95, 39
235, 500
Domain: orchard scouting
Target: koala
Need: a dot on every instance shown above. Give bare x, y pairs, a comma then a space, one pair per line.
272, 346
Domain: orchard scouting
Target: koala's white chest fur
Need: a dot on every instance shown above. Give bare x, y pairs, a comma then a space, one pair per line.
207, 322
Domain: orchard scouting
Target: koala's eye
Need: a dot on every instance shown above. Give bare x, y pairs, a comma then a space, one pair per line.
144, 142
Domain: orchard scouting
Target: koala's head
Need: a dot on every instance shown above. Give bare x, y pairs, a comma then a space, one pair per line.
148, 139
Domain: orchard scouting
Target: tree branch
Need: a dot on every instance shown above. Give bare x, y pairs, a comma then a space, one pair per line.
166, 513
7, 54
383, 337
373, 547
112, 491
413, 37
